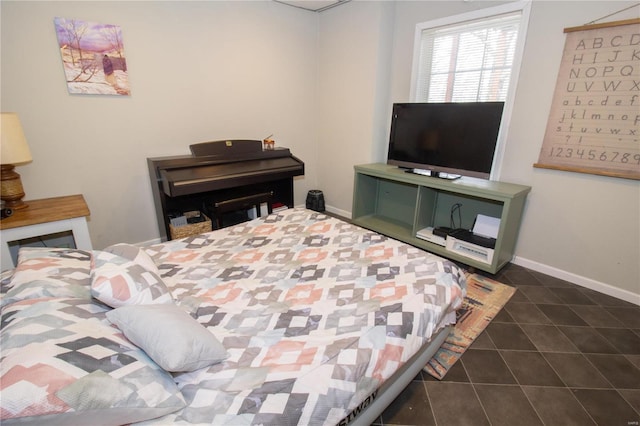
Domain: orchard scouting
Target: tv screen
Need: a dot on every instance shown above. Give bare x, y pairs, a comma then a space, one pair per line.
445, 138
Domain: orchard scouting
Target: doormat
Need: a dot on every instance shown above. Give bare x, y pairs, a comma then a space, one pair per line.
485, 298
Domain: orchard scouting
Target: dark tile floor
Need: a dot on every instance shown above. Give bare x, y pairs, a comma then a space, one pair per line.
557, 354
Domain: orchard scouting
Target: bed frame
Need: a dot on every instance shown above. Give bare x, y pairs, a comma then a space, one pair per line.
372, 407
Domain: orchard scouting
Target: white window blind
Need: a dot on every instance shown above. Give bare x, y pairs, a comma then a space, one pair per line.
469, 61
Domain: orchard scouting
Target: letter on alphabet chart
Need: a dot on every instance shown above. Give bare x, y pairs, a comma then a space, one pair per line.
611, 85
615, 55
626, 71
596, 43
615, 41
602, 101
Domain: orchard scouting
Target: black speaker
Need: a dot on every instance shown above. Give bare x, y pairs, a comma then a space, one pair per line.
315, 200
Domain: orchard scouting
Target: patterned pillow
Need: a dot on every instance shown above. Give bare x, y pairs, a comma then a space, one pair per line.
62, 363
118, 281
5, 281
49, 272
135, 254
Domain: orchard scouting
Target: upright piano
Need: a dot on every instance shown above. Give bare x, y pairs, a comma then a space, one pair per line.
220, 176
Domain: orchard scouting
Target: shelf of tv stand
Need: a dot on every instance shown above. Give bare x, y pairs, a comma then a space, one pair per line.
387, 226
398, 204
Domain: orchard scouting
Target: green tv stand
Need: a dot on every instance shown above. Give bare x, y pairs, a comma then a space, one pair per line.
392, 202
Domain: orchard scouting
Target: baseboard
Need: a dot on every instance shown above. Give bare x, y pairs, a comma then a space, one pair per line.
338, 212
579, 280
148, 242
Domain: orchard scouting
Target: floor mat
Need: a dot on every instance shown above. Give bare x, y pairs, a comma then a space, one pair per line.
485, 298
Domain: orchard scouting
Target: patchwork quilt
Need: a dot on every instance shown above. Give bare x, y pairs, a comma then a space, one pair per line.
314, 314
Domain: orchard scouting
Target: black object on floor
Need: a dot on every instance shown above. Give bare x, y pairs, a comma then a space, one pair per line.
315, 200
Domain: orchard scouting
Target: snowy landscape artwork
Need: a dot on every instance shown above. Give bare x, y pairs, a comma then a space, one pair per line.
93, 57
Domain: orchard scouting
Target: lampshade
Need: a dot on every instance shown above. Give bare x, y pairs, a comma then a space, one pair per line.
13, 144
13, 150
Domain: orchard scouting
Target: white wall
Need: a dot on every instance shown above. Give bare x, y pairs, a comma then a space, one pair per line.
579, 227
323, 84
355, 45
199, 71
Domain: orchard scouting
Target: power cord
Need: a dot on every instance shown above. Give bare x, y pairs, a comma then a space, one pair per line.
452, 223
443, 231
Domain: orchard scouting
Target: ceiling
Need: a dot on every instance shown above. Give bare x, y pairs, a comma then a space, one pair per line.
313, 5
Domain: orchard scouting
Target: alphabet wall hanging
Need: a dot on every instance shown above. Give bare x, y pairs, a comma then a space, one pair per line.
594, 123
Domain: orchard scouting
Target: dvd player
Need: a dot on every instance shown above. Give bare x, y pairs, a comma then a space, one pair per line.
470, 237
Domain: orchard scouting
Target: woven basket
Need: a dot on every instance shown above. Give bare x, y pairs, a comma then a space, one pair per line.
190, 228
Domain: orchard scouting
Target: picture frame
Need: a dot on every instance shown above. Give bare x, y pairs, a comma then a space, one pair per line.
93, 57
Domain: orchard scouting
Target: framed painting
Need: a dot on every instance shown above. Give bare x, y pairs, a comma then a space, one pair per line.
93, 57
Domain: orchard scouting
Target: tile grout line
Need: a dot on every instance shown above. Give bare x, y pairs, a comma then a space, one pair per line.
426, 390
598, 310
475, 392
535, 410
569, 305
473, 385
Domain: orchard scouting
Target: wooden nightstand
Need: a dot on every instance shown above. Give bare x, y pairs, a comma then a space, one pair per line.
44, 217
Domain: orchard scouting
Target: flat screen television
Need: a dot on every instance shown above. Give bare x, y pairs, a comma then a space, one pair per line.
445, 139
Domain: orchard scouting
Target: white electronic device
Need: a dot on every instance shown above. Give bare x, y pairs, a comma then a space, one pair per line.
473, 251
428, 235
486, 226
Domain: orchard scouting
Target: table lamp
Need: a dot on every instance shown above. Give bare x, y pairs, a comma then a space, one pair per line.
13, 150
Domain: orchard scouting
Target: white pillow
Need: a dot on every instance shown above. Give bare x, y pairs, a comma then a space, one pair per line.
169, 335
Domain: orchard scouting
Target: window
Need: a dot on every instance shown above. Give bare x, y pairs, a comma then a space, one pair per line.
471, 57
468, 62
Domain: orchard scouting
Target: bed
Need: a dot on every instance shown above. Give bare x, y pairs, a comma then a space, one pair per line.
296, 318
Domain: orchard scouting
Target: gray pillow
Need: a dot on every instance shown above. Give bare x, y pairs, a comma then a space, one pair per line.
169, 335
